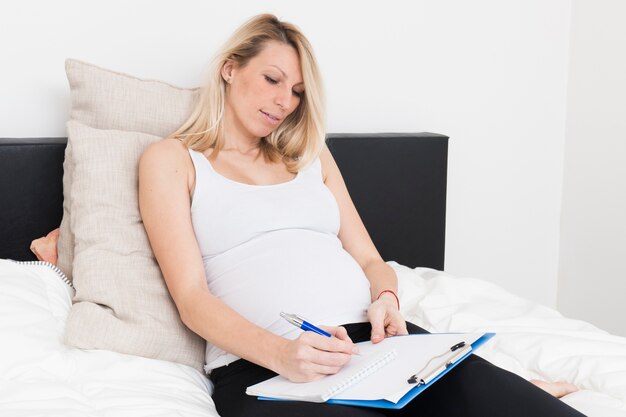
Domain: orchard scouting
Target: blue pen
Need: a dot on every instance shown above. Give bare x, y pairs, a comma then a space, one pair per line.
303, 324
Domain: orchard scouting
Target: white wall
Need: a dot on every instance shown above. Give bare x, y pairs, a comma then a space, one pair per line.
490, 74
592, 282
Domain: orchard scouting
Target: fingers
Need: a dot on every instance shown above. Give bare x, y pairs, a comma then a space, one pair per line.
377, 320
320, 357
396, 328
330, 344
323, 370
403, 329
305, 370
339, 332
319, 354
312, 356
315, 371
396, 325
330, 359
342, 333
385, 322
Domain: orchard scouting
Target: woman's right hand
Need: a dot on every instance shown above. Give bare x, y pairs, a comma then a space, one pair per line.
311, 356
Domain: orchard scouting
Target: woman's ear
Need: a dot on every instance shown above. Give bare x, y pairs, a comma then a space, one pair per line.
228, 70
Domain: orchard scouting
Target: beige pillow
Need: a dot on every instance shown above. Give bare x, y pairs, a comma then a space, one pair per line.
121, 300
111, 100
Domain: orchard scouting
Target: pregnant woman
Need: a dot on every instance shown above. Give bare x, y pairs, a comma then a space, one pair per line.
248, 216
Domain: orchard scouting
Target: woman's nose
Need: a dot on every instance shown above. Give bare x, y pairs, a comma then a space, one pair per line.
283, 99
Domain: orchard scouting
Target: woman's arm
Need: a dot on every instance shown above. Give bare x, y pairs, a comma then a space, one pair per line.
165, 175
383, 314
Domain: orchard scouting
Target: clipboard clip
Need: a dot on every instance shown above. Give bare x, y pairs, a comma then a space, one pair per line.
458, 351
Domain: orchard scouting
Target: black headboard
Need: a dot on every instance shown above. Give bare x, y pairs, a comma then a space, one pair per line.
397, 182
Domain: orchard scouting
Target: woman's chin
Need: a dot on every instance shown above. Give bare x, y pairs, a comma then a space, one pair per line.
262, 132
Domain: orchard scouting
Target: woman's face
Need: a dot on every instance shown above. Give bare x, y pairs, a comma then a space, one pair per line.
261, 94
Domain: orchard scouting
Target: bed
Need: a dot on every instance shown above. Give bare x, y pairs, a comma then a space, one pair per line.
398, 183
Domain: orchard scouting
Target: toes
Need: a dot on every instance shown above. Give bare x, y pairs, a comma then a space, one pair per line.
557, 389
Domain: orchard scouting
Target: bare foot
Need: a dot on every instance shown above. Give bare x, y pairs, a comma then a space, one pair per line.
557, 389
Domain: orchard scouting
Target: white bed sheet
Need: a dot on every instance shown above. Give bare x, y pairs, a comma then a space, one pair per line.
39, 376
532, 341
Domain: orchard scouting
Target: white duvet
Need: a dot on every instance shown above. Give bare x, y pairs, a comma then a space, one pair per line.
39, 376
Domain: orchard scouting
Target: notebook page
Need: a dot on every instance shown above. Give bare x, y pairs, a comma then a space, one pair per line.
414, 351
360, 367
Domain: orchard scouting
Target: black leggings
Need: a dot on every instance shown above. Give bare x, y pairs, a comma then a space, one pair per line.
475, 388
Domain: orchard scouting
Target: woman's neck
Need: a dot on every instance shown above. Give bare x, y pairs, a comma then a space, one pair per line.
236, 138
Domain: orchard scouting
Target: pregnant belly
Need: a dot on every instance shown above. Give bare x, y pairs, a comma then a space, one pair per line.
295, 270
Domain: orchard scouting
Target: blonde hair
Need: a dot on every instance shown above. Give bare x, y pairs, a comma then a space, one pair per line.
299, 139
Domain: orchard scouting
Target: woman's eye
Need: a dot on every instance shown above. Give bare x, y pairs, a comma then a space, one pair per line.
298, 94
270, 80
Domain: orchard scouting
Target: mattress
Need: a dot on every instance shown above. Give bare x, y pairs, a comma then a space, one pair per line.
39, 375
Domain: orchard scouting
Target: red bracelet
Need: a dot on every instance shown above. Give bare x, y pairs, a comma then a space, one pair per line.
392, 293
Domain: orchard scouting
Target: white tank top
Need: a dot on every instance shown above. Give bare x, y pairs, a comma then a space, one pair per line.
273, 248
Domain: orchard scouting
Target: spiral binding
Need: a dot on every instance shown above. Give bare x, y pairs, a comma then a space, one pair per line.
52, 266
360, 375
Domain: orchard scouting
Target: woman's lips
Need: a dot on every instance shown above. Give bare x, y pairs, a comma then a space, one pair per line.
273, 120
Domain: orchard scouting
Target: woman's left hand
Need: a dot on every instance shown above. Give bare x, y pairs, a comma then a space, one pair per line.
385, 318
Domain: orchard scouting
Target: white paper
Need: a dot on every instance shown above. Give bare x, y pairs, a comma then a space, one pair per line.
389, 382
318, 391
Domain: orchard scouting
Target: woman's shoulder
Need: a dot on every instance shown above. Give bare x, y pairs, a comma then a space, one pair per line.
168, 152
326, 161
167, 156
168, 148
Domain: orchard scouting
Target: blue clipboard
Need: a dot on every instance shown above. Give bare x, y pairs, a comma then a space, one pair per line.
418, 389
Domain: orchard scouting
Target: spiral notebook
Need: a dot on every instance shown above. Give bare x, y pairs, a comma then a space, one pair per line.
379, 376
